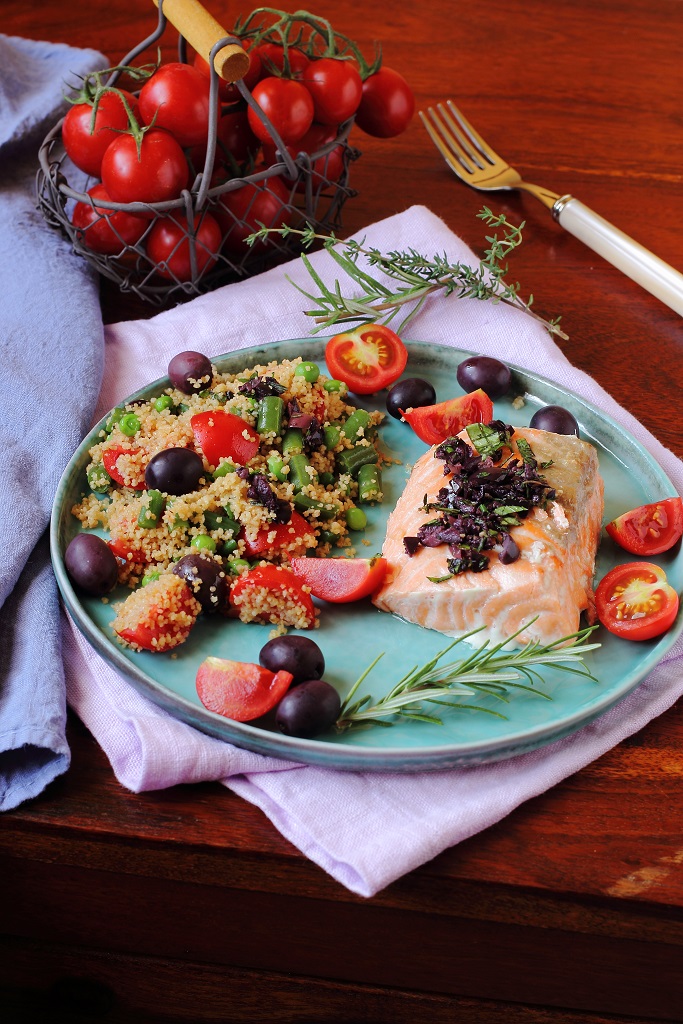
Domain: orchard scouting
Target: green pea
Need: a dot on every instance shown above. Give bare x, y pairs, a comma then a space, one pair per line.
356, 518
203, 542
224, 467
309, 371
238, 565
150, 577
163, 402
276, 466
129, 424
334, 386
229, 546
98, 478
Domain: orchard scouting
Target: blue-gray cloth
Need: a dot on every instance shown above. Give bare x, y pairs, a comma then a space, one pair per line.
51, 364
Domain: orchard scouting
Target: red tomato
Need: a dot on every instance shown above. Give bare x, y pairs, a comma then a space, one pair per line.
369, 358
277, 536
287, 104
327, 167
245, 209
86, 140
222, 435
340, 580
165, 610
434, 423
279, 583
121, 473
228, 91
240, 690
635, 601
387, 105
236, 145
335, 87
157, 173
649, 529
169, 246
273, 60
176, 98
106, 231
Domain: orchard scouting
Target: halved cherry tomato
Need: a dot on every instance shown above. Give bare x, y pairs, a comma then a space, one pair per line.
649, 529
223, 435
122, 473
277, 536
340, 580
434, 423
635, 601
240, 690
162, 615
272, 584
367, 359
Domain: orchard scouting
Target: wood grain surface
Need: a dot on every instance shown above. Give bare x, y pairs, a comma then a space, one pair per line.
187, 904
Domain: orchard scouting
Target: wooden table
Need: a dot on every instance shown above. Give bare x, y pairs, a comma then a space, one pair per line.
187, 904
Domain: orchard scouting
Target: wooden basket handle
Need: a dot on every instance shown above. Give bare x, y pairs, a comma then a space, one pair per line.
202, 32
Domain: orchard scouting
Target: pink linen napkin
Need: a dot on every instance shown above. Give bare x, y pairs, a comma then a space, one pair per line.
364, 830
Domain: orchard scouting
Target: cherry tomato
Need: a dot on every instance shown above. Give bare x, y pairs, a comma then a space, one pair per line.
367, 359
635, 601
106, 231
169, 246
163, 612
245, 209
274, 61
287, 104
649, 529
434, 423
222, 435
340, 580
240, 690
122, 472
176, 98
228, 91
387, 105
336, 88
278, 536
277, 583
86, 141
159, 172
327, 167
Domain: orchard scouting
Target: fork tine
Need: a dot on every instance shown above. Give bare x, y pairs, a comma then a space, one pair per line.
465, 145
450, 149
482, 146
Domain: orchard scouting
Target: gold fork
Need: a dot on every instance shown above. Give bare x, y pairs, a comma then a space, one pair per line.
475, 163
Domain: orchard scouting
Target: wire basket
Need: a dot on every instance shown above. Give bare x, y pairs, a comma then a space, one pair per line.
311, 190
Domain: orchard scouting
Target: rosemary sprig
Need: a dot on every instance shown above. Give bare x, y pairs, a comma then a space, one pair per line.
416, 277
486, 671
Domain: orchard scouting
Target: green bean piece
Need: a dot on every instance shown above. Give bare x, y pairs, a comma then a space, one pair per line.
301, 472
150, 577
326, 478
163, 402
351, 459
359, 420
326, 510
356, 518
113, 418
276, 467
220, 520
332, 435
223, 468
99, 480
369, 484
328, 537
292, 441
309, 371
334, 386
229, 546
153, 509
271, 410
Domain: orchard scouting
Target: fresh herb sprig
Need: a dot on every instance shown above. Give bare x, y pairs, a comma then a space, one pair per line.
416, 276
487, 671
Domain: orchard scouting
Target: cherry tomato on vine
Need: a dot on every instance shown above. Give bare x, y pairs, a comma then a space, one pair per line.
86, 141
106, 231
367, 359
340, 580
169, 247
228, 91
635, 601
336, 88
274, 60
649, 529
434, 423
387, 105
157, 173
325, 168
287, 104
176, 98
243, 211
240, 690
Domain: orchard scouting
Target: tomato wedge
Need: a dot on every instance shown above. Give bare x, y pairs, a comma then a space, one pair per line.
240, 690
649, 529
340, 580
367, 359
159, 616
223, 435
278, 536
434, 423
635, 601
122, 472
269, 593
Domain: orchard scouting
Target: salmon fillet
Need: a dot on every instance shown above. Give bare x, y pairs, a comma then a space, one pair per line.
552, 578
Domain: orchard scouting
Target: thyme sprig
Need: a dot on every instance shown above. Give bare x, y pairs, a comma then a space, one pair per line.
416, 276
487, 671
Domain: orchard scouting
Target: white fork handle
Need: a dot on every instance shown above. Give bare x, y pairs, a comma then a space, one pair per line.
638, 263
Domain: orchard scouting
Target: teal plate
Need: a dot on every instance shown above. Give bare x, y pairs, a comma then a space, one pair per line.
351, 636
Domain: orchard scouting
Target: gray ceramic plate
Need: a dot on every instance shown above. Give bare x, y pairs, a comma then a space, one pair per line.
351, 636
